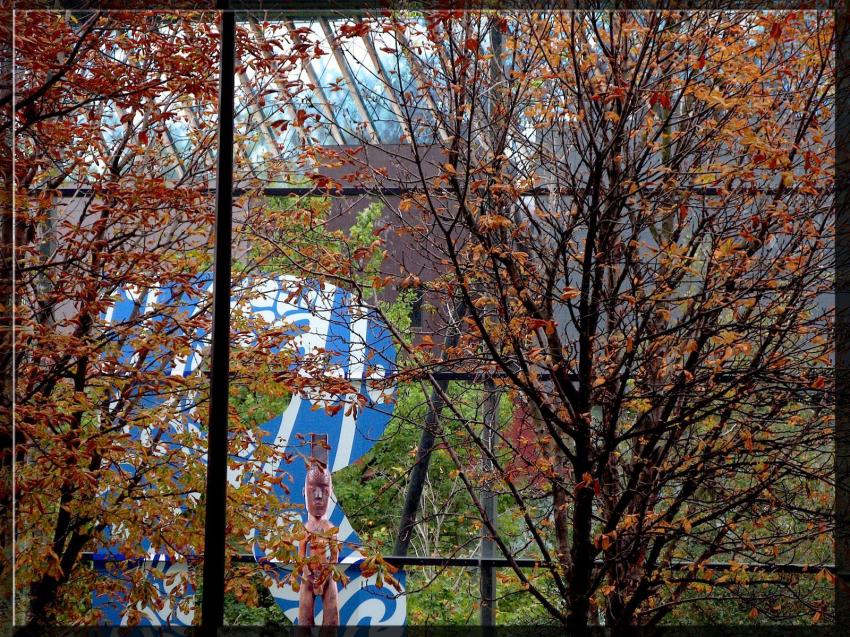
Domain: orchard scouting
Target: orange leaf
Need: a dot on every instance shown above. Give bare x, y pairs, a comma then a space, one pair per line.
332, 410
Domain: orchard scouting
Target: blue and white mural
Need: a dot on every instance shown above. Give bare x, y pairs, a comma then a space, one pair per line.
322, 318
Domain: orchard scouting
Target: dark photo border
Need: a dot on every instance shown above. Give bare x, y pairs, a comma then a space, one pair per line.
841, 11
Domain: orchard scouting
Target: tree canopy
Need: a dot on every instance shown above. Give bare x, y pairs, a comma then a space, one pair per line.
629, 216
620, 223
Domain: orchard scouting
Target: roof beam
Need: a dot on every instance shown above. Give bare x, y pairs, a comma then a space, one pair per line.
418, 75
208, 159
281, 87
318, 92
476, 115
388, 86
266, 131
348, 76
121, 56
209, 163
169, 145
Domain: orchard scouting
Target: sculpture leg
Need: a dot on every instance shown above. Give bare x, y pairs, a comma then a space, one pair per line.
305, 604
330, 604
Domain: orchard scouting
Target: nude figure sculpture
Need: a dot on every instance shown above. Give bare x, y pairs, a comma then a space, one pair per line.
316, 575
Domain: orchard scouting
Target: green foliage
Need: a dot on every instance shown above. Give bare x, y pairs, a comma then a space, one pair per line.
267, 613
362, 235
254, 408
371, 490
398, 315
448, 597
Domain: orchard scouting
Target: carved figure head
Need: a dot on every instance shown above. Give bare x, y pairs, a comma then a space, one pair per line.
317, 489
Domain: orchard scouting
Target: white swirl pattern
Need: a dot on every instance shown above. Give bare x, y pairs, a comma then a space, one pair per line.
360, 349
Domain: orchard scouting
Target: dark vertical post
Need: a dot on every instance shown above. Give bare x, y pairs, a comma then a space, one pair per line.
488, 500
423, 452
420, 470
212, 606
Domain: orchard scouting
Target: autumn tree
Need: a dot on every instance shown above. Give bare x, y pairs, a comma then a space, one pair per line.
629, 217
114, 141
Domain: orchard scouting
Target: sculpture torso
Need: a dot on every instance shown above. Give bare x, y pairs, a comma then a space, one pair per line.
319, 546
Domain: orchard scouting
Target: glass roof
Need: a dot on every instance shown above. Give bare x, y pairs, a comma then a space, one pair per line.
350, 89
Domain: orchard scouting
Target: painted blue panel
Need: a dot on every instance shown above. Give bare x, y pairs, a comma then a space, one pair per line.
113, 609
361, 601
359, 347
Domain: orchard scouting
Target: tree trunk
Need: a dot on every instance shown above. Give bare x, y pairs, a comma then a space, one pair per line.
582, 548
42, 596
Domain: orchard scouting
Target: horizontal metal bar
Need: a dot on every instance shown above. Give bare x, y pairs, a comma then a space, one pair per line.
501, 562
679, 565
397, 191
295, 191
474, 376
481, 377
468, 376
300, 9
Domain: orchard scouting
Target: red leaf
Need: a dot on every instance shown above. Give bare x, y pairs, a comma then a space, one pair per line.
332, 410
660, 97
352, 30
